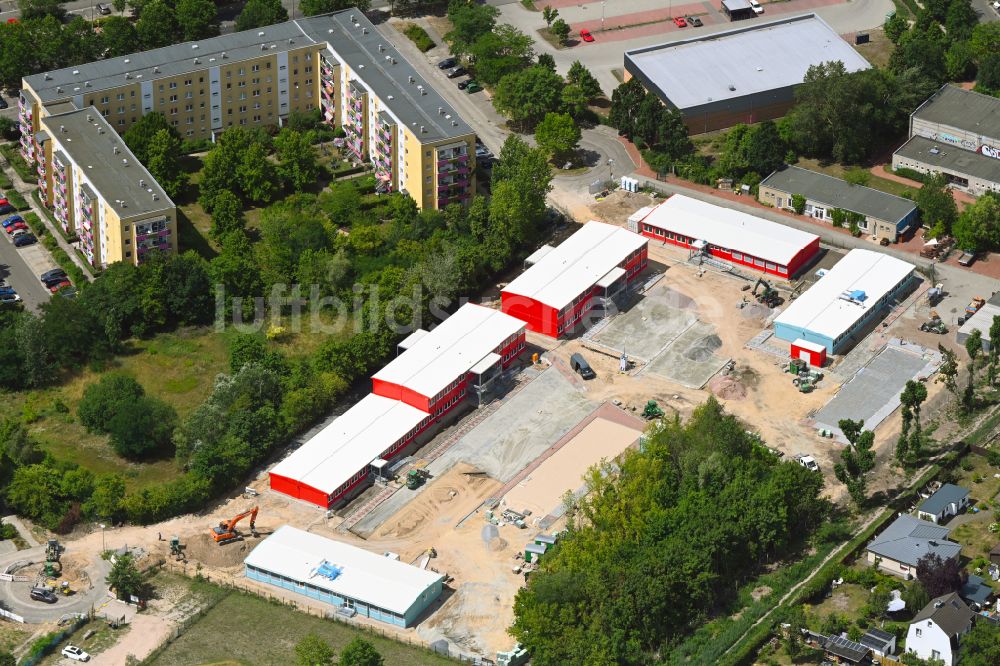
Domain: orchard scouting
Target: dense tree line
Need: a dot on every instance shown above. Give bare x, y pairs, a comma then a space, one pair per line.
656, 548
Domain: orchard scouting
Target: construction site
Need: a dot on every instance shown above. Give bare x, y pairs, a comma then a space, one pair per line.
467, 512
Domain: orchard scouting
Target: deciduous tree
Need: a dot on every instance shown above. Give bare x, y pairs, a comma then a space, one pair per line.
297, 163
227, 215
157, 25
104, 398
856, 460
313, 651
560, 30
978, 226
163, 159
558, 135
141, 133
360, 652
973, 347
126, 579
937, 206
119, 36
260, 13
526, 96
581, 76
939, 576
197, 19
142, 428
549, 14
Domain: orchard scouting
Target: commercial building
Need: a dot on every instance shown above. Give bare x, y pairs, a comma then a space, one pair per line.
435, 373
730, 235
956, 132
835, 310
744, 75
374, 586
882, 215
339, 63
100, 192
587, 271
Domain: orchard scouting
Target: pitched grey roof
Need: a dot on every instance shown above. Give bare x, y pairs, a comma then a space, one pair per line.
877, 639
975, 590
838, 193
966, 109
948, 612
90, 141
908, 539
358, 42
950, 158
947, 494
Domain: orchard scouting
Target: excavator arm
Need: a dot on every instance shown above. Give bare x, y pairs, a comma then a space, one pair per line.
226, 531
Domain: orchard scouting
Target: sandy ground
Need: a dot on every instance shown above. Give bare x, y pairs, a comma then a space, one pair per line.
146, 632
542, 491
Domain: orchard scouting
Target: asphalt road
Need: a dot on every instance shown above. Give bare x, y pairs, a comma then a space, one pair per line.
985, 10
14, 267
16, 596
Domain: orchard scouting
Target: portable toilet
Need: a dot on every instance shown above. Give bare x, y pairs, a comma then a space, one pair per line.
811, 352
534, 551
545, 540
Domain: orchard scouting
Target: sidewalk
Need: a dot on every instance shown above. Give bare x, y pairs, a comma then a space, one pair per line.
26, 191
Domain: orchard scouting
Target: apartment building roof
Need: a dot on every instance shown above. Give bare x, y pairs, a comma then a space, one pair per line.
349, 33
387, 74
113, 171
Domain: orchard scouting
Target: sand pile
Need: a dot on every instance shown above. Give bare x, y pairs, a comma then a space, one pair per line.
727, 388
204, 550
703, 349
755, 311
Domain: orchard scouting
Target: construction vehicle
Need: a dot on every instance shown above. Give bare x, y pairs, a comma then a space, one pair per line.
652, 411
53, 551
766, 294
176, 549
226, 532
973, 307
934, 325
416, 478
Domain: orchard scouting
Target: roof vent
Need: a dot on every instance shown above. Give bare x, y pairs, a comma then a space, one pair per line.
263, 47
260, 34
194, 46
760, 69
142, 183
423, 130
197, 62
59, 89
76, 88
410, 79
156, 70
291, 41
88, 118
934, 151
364, 31
87, 84
124, 162
732, 86
223, 55
211, 59
156, 197
127, 60
75, 72
454, 123
423, 92
390, 98
380, 47
393, 61
62, 128
115, 149
352, 19
274, 46
48, 77
127, 76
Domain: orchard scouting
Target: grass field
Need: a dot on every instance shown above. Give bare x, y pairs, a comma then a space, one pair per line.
179, 368
12, 636
275, 630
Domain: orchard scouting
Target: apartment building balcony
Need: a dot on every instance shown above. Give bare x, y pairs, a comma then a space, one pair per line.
452, 153
155, 237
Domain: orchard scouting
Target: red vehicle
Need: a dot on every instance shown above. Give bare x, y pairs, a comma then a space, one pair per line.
56, 287
680, 22
12, 20
586, 36
4, 202
14, 227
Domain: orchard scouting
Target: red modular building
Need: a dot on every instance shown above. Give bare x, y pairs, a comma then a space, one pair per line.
730, 235
812, 353
434, 372
585, 272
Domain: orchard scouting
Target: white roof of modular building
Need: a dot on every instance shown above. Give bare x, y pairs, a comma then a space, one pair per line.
450, 350
742, 61
378, 580
846, 293
728, 228
576, 265
353, 440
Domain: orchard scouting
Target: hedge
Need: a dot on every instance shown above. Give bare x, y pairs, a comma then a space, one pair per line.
13, 156
911, 174
16, 200
419, 37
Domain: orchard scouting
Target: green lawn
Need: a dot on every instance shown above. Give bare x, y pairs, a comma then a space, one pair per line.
972, 530
12, 635
179, 368
221, 636
846, 600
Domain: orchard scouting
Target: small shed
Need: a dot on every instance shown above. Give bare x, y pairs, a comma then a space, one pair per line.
882, 643
534, 551
812, 353
975, 591
546, 540
737, 10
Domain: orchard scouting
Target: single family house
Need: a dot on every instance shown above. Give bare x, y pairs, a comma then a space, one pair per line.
901, 545
948, 501
936, 630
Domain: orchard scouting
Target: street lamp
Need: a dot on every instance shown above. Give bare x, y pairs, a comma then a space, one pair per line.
611, 171
103, 546
602, 14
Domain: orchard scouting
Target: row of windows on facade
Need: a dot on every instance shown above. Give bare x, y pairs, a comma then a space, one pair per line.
737, 256
871, 311
372, 610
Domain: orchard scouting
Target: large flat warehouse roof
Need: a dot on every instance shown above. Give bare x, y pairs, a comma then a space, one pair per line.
831, 306
351, 442
361, 575
952, 159
731, 229
450, 349
742, 61
958, 107
117, 175
576, 264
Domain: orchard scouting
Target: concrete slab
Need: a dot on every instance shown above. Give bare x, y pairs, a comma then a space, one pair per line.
653, 322
505, 442
873, 393
691, 359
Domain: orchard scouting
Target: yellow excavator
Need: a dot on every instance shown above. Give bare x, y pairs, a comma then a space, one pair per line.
226, 532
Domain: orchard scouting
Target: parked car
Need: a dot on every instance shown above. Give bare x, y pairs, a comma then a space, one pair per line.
49, 274
17, 226
462, 85
447, 63
54, 281
967, 258
17, 233
680, 22
808, 462
586, 36
10, 299
7, 289
694, 21
7, 208
42, 594
473, 87
67, 292
25, 240
60, 285
580, 366
12, 219
3, 103
457, 72
755, 5
72, 651
483, 152
103, 9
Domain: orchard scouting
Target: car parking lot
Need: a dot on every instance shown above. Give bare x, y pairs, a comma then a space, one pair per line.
20, 267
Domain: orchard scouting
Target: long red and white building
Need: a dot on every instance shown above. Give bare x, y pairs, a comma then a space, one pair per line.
434, 372
730, 235
584, 272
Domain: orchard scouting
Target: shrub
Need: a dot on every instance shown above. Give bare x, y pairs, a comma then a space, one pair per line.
419, 37
102, 401
16, 200
142, 427
798, 204
911, 174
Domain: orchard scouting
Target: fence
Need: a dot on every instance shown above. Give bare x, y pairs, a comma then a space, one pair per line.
11, 616
45, 645
16, 579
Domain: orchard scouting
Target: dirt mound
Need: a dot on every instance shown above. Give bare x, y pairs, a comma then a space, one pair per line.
727, 388
204, 550
755, 311
703, 349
